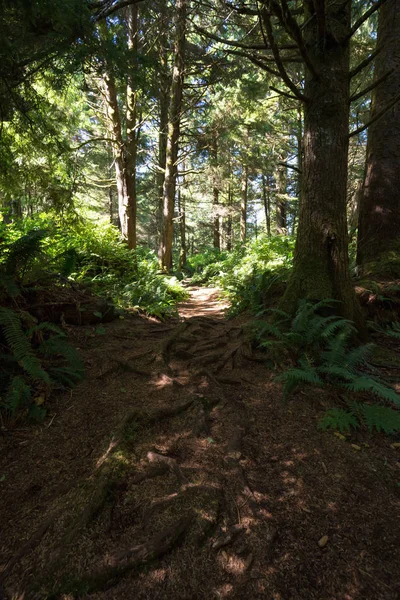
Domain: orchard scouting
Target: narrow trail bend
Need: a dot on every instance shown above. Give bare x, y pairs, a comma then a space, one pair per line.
176, 472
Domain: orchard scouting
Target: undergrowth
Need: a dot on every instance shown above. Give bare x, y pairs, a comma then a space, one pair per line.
319, 347
249, 275
93, 255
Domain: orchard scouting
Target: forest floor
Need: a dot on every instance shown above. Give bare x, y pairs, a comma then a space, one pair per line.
176, 471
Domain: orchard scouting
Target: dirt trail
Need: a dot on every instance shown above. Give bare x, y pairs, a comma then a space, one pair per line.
176, 472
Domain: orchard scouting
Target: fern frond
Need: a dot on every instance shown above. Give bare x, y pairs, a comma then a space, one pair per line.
296, 376
381, 418
19, 345
18, 393
367, 384
337, 418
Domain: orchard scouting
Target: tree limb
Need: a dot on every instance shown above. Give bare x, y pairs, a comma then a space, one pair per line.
363, 18
236, 44
275, 51
110, 8
364, 63
370, 87
289, 23
376, 117
282, 93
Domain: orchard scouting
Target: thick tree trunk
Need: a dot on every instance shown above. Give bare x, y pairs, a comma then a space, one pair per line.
243, 204
173, 137
379, 213
321, 267
267, 204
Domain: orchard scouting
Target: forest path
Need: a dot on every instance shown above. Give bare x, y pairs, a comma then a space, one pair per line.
174, 471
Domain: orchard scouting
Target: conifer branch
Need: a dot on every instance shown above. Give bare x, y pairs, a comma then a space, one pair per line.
364, 18
364, 63
376, 117
275, 51
370, 87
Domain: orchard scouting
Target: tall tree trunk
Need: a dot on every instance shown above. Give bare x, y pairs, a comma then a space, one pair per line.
243, 204
281, 202
182, 221
131, 124
321, 265
216, 216
118, 147
173, 136
164, 96
229, 220
379, 212
267, 204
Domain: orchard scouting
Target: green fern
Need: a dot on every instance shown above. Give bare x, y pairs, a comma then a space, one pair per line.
381, 418
22, 251
322, 350
18, 393
337, 418
19, 345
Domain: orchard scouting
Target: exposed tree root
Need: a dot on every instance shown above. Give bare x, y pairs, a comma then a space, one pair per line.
171, 463
33, 541
127, 560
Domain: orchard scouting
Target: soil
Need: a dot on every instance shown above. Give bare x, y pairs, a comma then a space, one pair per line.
176, 471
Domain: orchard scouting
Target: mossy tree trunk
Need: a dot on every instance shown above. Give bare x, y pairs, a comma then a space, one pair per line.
321, 264
175, 107
379, 207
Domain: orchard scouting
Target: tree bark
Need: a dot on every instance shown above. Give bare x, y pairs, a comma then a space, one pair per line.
216, 216
130, 212
243, 204
379, 211
173, 136
124, 151
321, 264
229, 221
164, 95
281, 202
182, 222
267, 204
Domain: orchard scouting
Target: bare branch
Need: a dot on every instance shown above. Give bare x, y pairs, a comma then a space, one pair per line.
363, 18
289, 166
289, 23
370, 87
282, 93
275, 50
236, 44
111, 8
376, 117
364, 63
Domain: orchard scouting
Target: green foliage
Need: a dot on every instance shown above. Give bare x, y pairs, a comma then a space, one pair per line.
90, 254
322, 354
33, 361
248, 274
338, 418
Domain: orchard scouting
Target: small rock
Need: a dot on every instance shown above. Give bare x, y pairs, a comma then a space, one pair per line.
395, 446
355, 447
339, 435
323, 541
